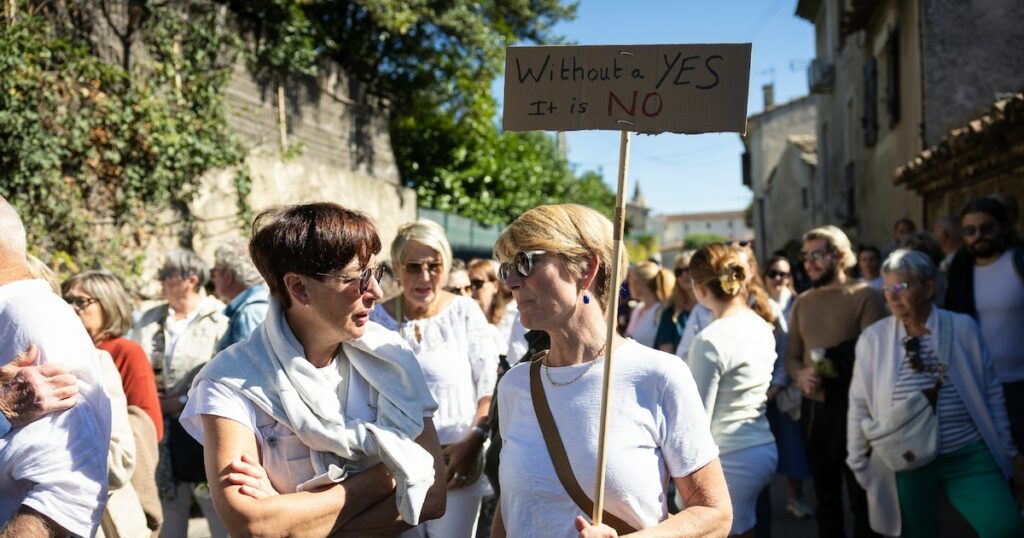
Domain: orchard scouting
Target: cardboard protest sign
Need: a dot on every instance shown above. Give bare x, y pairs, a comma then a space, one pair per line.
640, 88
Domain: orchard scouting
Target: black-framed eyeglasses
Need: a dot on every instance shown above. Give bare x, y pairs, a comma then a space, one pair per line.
777, 275
522, 262
680, 271
477, 283
80, 303
731, 243
816, 255
376, 273
987, 228
416, 268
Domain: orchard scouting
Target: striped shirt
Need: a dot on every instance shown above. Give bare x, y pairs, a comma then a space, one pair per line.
956, 427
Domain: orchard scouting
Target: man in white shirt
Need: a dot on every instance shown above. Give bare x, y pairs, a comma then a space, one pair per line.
986, 280
53, 472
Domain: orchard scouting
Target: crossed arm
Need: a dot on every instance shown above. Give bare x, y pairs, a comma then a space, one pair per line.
245, 501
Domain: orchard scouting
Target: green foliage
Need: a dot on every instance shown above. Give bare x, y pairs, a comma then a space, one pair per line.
696, 241
434, 61
641, 247
90, 153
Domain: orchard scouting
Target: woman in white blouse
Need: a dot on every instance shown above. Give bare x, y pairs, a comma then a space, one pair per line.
557, 261
651, 285
732, 361
907, 352
453, 342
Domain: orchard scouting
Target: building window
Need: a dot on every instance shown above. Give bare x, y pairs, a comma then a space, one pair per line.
870, 119
892, 79
803, 192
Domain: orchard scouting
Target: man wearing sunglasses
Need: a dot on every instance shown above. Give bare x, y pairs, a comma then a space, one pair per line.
830, 317
986, 280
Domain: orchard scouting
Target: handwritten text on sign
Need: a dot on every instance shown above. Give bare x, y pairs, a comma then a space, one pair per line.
640, 88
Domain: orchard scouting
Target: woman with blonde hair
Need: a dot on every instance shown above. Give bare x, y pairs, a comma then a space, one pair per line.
459, 356
557, 261
678, 306
733, 373
652, 285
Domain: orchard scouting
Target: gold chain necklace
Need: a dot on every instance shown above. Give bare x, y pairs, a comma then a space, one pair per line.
547, 370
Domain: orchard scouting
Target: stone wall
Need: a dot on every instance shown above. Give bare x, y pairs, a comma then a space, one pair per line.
979, 42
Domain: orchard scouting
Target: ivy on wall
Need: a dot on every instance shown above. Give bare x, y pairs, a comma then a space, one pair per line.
90, 152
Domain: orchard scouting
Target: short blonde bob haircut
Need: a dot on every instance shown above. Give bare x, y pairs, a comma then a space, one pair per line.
837, 243
570, 230
426, 232
107, 289
657, 279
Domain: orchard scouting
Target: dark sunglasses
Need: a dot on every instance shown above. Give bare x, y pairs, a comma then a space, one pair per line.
731, 243
522, 262
464, 290
165, 274
777, 275
680, 271
80, 303
971, 230
477, 283
817, 255
376, 273
415, 268
912, 347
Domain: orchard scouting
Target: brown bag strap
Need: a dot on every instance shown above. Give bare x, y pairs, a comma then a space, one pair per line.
557, 452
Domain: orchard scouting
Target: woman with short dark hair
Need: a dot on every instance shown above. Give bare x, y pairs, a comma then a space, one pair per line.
321, 421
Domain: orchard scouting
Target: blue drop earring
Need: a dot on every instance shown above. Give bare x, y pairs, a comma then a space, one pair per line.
586, 298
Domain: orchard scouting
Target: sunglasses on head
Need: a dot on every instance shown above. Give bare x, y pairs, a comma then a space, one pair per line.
816, 256
376, 273
680, 271
777, 275
896, 289
415, 268
522, 263
971, 230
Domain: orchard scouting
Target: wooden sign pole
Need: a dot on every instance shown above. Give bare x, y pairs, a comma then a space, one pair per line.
613, 308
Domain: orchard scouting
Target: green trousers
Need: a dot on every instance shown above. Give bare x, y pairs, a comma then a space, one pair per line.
974, 486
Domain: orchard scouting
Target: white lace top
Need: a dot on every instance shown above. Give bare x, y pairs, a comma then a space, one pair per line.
459, 359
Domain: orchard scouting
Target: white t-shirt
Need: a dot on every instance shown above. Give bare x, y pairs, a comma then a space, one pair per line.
999, 299
732, 361
459, 358
643, 323
658, 431
56, 465
282, 453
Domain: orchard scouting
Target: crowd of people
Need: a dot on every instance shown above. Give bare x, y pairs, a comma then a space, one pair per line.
278, 391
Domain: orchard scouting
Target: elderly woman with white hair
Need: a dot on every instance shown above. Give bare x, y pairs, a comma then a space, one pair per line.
237, 282
924, 374
453, 342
